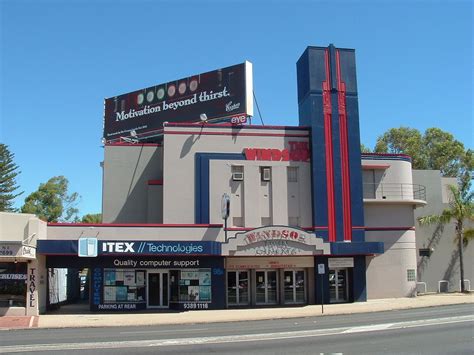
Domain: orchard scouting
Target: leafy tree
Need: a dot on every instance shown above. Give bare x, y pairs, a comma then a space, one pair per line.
466, 170
403, 140
92, 218
442, 151
51, 202
435, 149
8, 173
461, 210
364, 149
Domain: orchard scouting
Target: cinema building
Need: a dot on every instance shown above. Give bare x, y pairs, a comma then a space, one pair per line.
217, 215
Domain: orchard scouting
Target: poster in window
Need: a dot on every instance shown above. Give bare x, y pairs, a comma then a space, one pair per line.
109, 294
119, 275
205, 293
129, 278
121, 293
110, 277
190, 275
140, 275
205, 278
193, 293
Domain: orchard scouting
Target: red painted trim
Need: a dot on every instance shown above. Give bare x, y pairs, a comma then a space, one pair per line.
125, 144
344, 255
240, 229
344, 144
229, 125
144, 225
379, 167
327, 111
380, 229
384, 228
124, 254
387, 155
238, 134
155, 182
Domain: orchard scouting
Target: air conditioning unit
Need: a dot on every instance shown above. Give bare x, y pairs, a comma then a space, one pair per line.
238, 176
266, 174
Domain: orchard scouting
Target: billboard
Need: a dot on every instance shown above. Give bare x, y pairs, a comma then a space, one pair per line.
226, 92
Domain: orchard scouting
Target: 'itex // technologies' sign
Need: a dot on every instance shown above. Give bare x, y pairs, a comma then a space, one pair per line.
90, 247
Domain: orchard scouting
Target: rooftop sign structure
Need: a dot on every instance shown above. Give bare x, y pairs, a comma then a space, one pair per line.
217, 95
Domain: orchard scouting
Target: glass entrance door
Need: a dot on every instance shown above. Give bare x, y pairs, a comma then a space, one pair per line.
158, 289
266, 287
338, 290
294, 284
237, 287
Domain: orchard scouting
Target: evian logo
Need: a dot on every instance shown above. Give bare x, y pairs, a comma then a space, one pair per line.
230, 106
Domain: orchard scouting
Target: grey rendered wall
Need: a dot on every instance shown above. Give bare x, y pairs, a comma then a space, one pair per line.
392, 222
387, 273
125, 194
280, 198
180, 149
443, 264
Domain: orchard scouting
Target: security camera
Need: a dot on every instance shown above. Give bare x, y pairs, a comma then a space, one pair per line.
203, 117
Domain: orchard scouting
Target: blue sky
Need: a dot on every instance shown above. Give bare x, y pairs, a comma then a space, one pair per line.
60, 59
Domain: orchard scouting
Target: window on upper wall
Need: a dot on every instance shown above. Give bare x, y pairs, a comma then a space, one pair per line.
237, 172
265, 173
292, 173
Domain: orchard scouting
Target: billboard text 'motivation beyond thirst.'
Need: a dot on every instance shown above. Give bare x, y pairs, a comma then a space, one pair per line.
221, 93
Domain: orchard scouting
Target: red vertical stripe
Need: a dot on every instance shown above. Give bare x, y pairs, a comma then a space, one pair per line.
327, 110
344, 143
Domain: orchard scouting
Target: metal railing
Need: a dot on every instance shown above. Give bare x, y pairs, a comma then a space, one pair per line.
393, 191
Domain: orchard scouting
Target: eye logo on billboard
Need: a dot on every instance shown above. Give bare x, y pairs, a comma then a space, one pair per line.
219, 94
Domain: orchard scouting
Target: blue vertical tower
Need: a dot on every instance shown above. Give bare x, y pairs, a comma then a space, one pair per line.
328, 104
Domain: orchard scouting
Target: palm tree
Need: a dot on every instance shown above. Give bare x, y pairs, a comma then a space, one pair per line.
461, 209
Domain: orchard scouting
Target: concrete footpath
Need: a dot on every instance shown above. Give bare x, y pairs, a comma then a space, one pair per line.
229, 315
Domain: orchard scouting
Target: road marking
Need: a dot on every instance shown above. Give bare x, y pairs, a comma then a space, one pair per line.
234, 338
368, 328
164, 331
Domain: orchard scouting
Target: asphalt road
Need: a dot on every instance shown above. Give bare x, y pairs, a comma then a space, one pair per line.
437, 330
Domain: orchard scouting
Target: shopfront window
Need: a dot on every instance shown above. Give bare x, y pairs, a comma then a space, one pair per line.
124, 285
13, 284
195, 285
